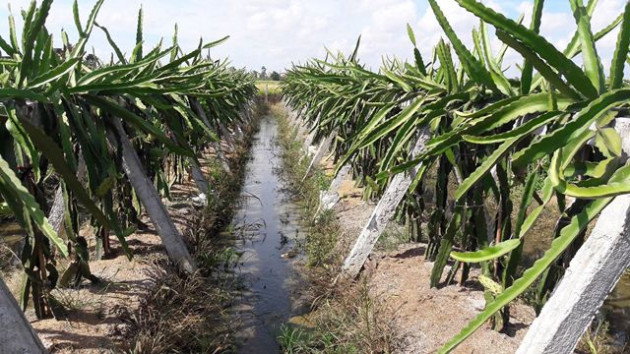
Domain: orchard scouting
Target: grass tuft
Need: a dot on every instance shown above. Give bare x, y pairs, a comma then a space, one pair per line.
191, 314
346, 317
351, 319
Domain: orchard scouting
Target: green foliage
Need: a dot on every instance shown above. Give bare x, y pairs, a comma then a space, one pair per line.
486, 254
59, 107
621, 51
491, 143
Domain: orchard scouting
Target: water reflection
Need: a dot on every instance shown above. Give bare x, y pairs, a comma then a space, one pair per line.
267, 222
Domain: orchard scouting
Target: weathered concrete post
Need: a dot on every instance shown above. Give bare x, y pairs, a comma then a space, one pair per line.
308, 149
303, 130
329, 198
150, 199
221, 156
319, 155
17, 335
383, 213
267, 92
294, 119
592, 274
198, 177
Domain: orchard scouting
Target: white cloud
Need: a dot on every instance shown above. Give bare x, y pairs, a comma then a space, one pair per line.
430, 31
385, 34
275, 33
607, 11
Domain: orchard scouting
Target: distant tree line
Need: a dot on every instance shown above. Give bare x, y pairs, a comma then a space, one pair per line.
263, 75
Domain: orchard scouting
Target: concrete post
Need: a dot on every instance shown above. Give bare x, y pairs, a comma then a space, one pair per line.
17, 335
383, 213
592, 274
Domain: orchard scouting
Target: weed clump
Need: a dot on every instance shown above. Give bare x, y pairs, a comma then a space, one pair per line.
182, 315
349, 319
190, 314
346, 317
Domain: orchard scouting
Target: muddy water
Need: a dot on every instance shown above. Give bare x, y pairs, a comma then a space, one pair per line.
268, 229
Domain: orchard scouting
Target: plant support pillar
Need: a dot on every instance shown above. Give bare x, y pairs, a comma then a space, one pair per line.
198, 177
17, 335
319, 155
329, 198
591, 276
149, 197
382, 214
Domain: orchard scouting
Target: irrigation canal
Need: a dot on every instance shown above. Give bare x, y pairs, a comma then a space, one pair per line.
268, 234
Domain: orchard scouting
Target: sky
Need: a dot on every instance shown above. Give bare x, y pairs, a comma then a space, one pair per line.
277, 33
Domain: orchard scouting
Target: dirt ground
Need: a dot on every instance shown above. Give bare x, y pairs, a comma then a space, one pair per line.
427, 318
423, 318
93, 320
96, 322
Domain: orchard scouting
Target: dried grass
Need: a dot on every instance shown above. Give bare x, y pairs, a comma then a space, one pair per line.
190, 314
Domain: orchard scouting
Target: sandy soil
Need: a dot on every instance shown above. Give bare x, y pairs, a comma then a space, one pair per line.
427, 318
93, 319
423, 318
